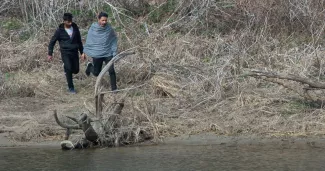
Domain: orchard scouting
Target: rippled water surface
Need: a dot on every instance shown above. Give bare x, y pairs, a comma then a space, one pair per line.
165, 157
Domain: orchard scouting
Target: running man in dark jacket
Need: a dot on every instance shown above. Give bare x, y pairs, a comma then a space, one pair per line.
69, 38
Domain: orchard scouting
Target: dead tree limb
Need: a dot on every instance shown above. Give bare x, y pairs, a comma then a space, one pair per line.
90, 133
268, 74
7, 129
99, 99
63, 125
83, 123
72, 118
304, 91
106, 68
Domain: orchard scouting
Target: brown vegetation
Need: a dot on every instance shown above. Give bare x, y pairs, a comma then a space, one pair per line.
190, 70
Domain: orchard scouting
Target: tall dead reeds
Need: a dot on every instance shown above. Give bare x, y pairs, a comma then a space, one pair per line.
189, 72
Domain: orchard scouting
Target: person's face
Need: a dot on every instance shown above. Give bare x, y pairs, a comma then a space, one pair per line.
102, 21
67, 23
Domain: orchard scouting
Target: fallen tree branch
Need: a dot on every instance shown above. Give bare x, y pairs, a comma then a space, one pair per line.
83, 123
63, 125
72, 118
99, 99
305, 92
106, 68
4, 129
268, 74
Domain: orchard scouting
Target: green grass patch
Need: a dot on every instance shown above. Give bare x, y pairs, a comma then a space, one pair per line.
157, 13
297, 106
11, 24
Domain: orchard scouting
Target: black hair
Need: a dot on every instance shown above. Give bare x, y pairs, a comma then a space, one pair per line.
67, 17
102, 14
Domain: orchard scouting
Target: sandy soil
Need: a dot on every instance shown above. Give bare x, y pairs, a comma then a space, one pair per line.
29, 122
249, 140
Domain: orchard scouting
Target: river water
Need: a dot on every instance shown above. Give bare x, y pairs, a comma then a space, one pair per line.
166, 157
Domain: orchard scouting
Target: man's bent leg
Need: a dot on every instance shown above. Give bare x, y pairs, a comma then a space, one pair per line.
112, 75
97, 66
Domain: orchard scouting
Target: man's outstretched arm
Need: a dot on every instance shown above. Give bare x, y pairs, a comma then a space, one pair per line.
52, 42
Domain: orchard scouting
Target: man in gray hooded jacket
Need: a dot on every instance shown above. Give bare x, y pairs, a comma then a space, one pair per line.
101, 45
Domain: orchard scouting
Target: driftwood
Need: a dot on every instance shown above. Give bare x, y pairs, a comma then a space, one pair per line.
83, 122
296, 78
96, 129
305, 87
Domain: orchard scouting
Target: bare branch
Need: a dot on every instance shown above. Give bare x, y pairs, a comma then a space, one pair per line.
99, 99
310, 83
106, 68
305, 94
7, 129
64, 125
72, 118
67, 134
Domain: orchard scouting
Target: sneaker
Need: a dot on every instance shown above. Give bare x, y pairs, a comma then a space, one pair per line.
115, 91
89, 65
63, 68
72, 91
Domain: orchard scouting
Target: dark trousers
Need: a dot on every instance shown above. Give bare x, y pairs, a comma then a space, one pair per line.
96, 68
71, 66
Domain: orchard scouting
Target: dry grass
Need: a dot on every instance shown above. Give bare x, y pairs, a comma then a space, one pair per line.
183, 80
